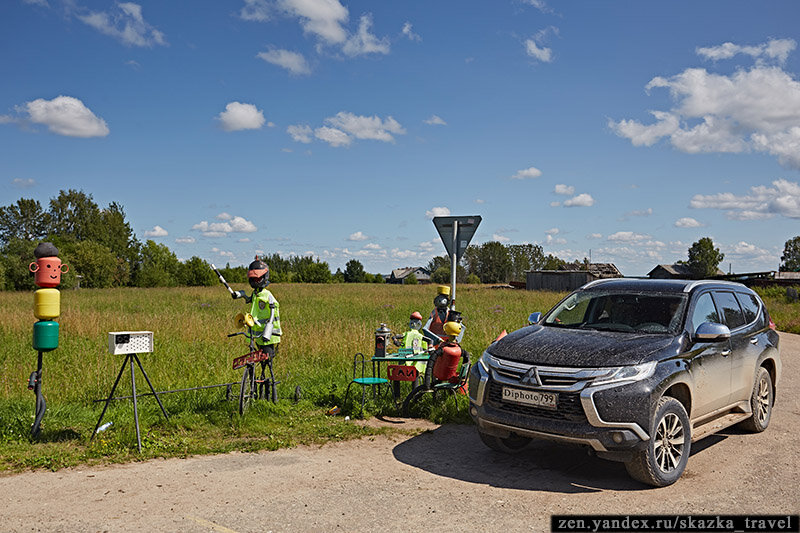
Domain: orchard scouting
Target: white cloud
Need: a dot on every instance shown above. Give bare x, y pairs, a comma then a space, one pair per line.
41, 3
500, 238
157, 231
555, 204
640, 212
437, 212
243, 239
21, 183
543, 54
687, 222
567, 190
553, 231
553, 240
300, 133
427, 246
65, 115
323, 18
232, 224
333, 136
756, 109
526, 173
595, 236
480, 201
238, 116
540, 5
256, 10
582, 200
223, 253
357, 236
294, 62
776, 49
363, 127
408, 32
783, 198
363, 42
435, 120
628, 236
372, 246
185, 240
397, 253
125, 23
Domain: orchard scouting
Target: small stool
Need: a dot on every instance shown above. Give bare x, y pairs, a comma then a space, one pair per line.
364, 381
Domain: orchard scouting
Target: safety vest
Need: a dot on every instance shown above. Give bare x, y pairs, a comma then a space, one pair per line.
261, 308
436, 323
413, 339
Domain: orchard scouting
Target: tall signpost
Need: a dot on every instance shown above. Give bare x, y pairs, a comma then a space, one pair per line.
456, 234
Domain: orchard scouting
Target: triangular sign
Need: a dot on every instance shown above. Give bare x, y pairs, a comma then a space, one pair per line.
467, 226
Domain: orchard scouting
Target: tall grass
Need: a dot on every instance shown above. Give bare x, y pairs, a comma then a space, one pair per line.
323, 325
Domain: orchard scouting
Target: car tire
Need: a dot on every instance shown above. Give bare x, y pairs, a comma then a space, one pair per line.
664, 458
761, 401
510, 445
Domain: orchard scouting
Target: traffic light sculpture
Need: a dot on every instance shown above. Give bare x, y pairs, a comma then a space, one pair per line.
46, 307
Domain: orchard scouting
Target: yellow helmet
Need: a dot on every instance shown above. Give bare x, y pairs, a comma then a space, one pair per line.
452, 328
443, 289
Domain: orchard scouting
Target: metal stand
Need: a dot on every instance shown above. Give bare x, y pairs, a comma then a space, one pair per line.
35, 384
130, 357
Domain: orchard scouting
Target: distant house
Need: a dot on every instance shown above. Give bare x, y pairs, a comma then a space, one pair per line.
399, 275
569, 277
675, 271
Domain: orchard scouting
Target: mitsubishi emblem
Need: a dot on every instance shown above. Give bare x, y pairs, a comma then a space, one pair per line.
531, 377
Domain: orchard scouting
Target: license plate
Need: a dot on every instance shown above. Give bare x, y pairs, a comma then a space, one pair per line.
252, 357
547, 400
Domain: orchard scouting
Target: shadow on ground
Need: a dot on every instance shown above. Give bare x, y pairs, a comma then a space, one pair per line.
456, 451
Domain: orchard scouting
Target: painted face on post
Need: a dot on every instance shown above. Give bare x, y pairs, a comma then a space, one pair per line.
48, 271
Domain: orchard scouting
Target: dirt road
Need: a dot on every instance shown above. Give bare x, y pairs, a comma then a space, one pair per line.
443, 479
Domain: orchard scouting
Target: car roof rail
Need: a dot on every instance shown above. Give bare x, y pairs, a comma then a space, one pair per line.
690, 286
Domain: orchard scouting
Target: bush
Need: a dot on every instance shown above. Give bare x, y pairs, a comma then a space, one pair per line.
196, 272
95, 264
473, 279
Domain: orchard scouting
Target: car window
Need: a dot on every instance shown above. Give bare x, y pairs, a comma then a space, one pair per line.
730, 309
749, 305
625, 311
704, 311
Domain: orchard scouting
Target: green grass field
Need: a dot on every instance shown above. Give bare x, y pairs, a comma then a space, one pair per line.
324, 326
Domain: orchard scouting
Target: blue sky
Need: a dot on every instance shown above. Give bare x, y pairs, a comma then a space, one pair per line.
335, 128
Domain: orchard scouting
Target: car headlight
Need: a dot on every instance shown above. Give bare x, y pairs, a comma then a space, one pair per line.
627, 373
487, 360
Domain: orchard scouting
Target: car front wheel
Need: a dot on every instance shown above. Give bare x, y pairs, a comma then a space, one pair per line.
511, 444
664, 459
760, 402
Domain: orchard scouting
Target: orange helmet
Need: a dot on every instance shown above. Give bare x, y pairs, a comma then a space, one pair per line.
258, 274
416, 316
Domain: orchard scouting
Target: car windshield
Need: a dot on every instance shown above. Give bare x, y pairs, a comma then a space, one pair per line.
641, 312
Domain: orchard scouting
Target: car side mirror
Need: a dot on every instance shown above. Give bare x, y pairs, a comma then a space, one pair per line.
534, 318
712, 332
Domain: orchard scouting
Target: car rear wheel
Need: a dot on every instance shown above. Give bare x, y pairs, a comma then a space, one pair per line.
760, 402
511, 444
664, 459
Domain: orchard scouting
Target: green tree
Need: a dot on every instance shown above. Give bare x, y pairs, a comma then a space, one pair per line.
75, 216
159, 266
790, 260
354, 272
493, 263
94, 262
17, 255
437, 262
308, 270
704, 258
378, 278
196, 272
338, 276
24, 220
472, 279
552, 262
442, 275
524, 257
411, 279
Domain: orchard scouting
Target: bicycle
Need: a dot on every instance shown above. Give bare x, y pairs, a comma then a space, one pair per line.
253, 388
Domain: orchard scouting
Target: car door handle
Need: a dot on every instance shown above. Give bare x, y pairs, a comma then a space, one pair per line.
725, 353
754, 340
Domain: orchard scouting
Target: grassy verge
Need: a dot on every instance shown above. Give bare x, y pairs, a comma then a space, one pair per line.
324, 327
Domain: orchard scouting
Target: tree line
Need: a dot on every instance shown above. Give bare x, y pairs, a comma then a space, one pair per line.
100, 246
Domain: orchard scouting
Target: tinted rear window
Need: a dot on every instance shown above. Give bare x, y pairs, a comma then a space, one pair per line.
749, 305
730, 309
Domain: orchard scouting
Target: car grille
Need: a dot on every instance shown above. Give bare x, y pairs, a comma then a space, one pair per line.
547, 380
569, 406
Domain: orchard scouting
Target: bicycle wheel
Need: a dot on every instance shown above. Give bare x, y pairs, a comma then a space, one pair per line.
246, 390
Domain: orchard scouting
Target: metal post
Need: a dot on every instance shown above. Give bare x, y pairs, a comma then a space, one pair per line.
453, 266
138, 362
135, 405
110, 397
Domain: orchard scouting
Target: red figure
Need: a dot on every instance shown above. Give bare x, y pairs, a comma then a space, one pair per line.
48, 267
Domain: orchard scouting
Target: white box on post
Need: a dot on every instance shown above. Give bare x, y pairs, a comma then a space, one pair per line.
127, 342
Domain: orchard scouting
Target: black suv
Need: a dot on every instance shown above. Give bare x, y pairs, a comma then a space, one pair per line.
636, 369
